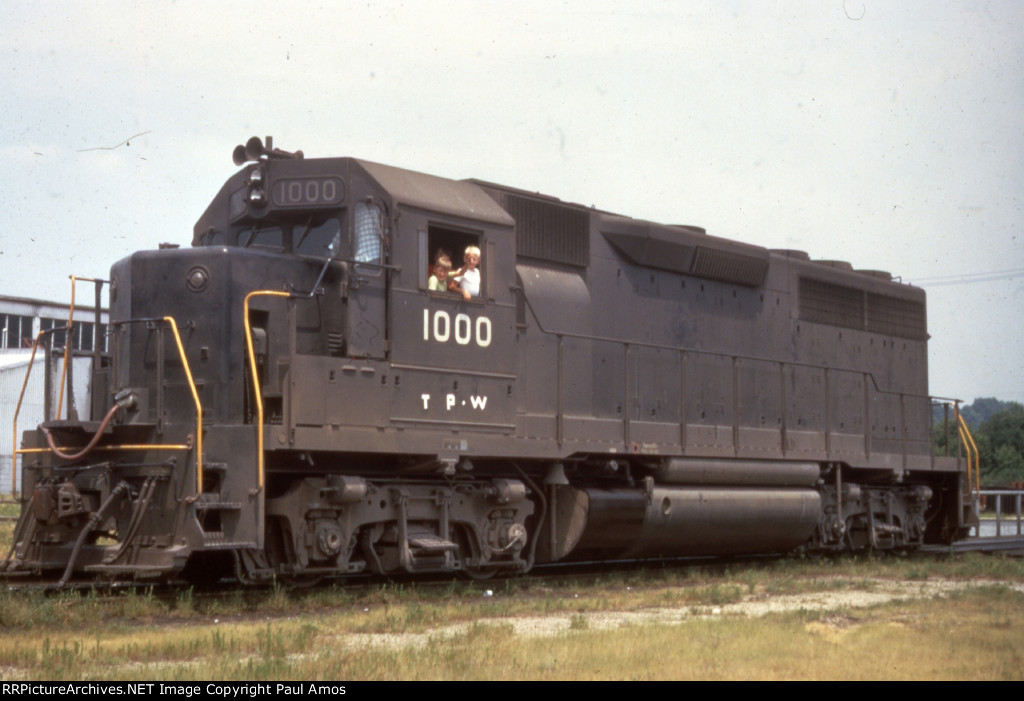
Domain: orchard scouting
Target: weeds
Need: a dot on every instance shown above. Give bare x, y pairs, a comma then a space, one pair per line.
579, 622
139, 635
717, 594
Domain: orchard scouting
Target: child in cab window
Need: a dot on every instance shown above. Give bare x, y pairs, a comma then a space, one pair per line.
439, 280
467, 279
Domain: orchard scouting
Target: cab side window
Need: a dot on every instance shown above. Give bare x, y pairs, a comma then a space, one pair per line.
453, 243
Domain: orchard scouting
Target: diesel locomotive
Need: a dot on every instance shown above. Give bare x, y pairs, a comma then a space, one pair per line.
289, 397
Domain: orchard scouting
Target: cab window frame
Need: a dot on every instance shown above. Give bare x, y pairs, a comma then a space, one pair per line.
453, 239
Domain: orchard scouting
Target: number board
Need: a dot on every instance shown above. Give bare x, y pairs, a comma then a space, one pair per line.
324, 191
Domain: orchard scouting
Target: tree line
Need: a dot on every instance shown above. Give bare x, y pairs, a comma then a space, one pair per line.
998, 431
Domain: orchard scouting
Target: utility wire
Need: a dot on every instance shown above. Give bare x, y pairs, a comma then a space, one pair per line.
970, 278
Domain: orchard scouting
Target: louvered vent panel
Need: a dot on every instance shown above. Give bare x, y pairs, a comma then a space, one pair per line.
726, 266
550, 231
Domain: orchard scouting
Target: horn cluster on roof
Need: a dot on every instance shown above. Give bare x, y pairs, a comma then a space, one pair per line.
254, 150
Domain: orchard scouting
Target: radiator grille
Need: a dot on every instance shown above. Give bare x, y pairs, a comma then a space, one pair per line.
849, 307
896, 317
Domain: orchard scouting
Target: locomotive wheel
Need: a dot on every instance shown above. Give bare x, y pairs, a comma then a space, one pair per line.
279, 557
468, 552
301, 581
480, 574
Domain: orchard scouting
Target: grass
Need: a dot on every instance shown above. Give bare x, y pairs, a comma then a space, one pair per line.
324, 634
973, 635
8, 510
406, 606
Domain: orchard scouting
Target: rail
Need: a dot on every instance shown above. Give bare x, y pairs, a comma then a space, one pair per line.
198, 442
195, 398
257, 389
68, 343
247, 328
967, 442
17, 411
992, 526
69, 337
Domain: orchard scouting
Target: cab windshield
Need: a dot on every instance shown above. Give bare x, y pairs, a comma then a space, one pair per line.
309, 239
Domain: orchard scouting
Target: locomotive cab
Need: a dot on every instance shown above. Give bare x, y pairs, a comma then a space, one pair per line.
370, 372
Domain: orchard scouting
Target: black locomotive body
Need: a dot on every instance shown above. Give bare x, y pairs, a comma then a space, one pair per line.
288, 398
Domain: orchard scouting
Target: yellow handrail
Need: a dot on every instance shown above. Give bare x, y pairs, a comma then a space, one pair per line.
257, 394
69, 340
973, 458
17, 410
195, 398
122, 446
139, 446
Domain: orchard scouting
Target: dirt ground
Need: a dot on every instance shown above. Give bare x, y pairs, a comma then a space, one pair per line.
865, 593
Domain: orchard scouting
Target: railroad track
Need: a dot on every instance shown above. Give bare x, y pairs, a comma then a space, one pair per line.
1007, 545
1012, 546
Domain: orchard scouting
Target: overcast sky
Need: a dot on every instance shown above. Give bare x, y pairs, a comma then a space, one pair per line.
888, 134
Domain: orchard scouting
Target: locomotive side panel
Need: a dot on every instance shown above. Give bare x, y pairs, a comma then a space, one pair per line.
760, 373
453, 355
